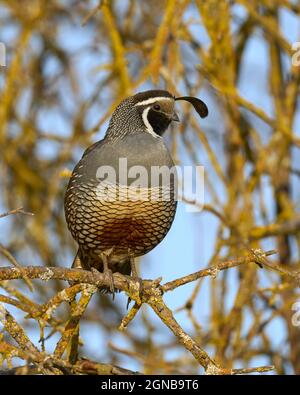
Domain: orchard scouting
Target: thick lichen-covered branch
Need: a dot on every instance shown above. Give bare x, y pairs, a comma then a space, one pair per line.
148, 292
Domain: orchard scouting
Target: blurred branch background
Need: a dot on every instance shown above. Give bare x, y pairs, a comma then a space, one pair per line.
68, 64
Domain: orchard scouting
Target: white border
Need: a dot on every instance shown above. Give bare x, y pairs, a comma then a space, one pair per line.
147, 123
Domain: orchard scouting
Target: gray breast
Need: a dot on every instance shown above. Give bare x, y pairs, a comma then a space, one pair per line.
139, 149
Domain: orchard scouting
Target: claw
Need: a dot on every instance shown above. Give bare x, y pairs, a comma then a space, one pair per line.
128, 303
109, 276
108, 273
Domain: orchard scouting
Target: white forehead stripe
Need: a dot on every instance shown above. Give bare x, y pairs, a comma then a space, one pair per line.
152, 100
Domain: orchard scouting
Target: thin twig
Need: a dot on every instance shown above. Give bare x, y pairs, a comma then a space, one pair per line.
15, 263
211, 271
16, 211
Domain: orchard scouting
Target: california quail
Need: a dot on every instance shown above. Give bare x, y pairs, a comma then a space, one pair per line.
111, 232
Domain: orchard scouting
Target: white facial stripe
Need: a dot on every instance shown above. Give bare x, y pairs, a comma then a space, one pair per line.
152, 100
147, 123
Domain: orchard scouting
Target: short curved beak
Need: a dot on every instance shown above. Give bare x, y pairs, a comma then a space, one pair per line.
175, 117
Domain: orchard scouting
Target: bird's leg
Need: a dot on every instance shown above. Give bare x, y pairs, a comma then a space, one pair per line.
134, 275
130, 255
107, 271
133, 267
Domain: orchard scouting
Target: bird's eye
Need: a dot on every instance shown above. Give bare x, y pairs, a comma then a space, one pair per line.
156, 107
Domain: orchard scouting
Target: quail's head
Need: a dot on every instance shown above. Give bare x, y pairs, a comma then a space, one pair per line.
152, 111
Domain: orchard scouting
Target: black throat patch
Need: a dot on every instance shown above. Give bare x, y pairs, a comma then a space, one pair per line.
158, 121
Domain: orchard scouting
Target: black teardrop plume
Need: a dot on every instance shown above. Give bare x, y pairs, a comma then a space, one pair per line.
198, 105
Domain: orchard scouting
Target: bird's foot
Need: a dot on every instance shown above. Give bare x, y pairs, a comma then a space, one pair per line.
136, 279
107, 271
109, 277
